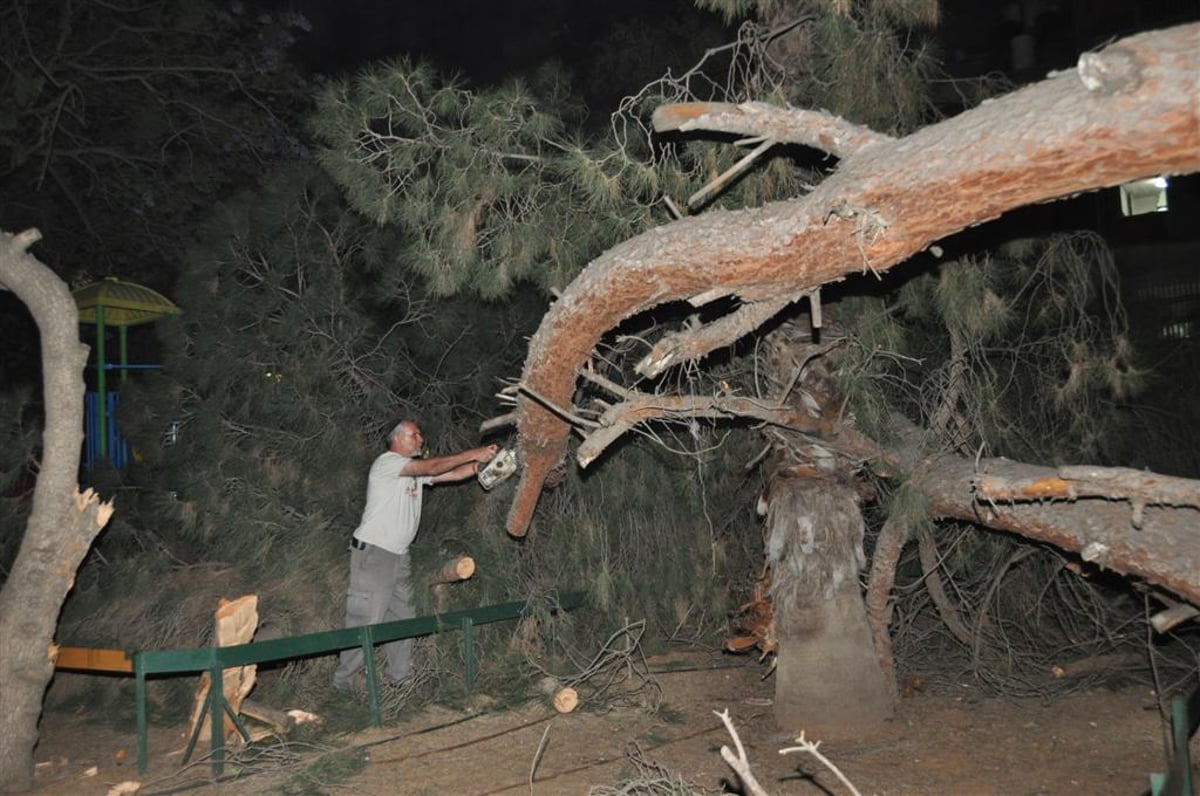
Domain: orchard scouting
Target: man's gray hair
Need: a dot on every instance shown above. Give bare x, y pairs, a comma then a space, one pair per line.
399, 427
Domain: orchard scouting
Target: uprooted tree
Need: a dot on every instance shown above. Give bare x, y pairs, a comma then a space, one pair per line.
62, 524
1124, 113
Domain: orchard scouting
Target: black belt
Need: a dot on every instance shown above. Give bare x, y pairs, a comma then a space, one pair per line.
358, 544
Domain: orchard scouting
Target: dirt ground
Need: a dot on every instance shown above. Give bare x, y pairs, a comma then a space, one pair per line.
1099, 742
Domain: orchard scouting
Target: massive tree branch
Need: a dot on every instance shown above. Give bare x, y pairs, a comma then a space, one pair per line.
1126, 113
1164, 550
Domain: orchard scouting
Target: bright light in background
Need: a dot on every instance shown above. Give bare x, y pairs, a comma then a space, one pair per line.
1144, 196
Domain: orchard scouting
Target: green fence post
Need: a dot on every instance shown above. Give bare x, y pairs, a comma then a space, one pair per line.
1181, 763
368, 648
139, 691
216, 715
1178, 781
468, 628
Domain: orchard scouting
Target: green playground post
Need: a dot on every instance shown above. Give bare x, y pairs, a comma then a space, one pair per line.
101, 385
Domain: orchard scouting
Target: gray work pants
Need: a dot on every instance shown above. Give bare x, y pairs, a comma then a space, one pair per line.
380, 591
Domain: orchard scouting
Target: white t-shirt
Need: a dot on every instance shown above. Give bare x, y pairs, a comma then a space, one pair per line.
393, 510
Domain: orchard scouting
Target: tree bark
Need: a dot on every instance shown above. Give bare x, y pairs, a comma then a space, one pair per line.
1125, 112
62, 524
828, 678
1164, 550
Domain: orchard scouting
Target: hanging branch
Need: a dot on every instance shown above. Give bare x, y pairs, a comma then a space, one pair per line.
816, 129
692, 344
930, 562
638, 407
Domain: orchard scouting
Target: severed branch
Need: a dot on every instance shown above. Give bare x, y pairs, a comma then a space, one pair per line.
1174, 616
816, 129
640, 407
1139, 487
695, 343
878, 597
456, 569
729, 175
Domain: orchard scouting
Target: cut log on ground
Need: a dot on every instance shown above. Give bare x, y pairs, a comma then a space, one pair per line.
454, 570
565, 699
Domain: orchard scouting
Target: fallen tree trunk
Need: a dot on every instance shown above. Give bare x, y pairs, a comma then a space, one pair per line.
1124, 113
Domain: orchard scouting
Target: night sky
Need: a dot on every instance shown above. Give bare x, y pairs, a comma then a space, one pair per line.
490, 41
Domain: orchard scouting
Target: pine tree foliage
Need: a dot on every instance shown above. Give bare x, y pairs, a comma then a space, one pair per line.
868, 62
275, 316
1023, 352
487, 187
871, 72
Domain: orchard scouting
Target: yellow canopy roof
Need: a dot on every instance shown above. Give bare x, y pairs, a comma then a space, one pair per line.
125, 304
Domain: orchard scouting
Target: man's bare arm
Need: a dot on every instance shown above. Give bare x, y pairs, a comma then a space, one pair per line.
443, 468
460, 473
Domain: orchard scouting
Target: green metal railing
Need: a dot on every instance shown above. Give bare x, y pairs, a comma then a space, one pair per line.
215, 660
1185, 716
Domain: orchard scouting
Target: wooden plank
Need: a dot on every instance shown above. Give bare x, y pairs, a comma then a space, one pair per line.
93, 659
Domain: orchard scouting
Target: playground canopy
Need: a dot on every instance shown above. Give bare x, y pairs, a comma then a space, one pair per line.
111, 302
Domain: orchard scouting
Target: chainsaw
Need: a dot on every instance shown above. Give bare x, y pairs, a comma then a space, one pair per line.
502, 465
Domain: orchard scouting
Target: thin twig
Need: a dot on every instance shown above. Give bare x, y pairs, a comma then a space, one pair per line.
537, 757
739, 763
811, 748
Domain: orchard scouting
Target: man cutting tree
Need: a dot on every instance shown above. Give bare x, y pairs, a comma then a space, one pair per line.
380, 564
